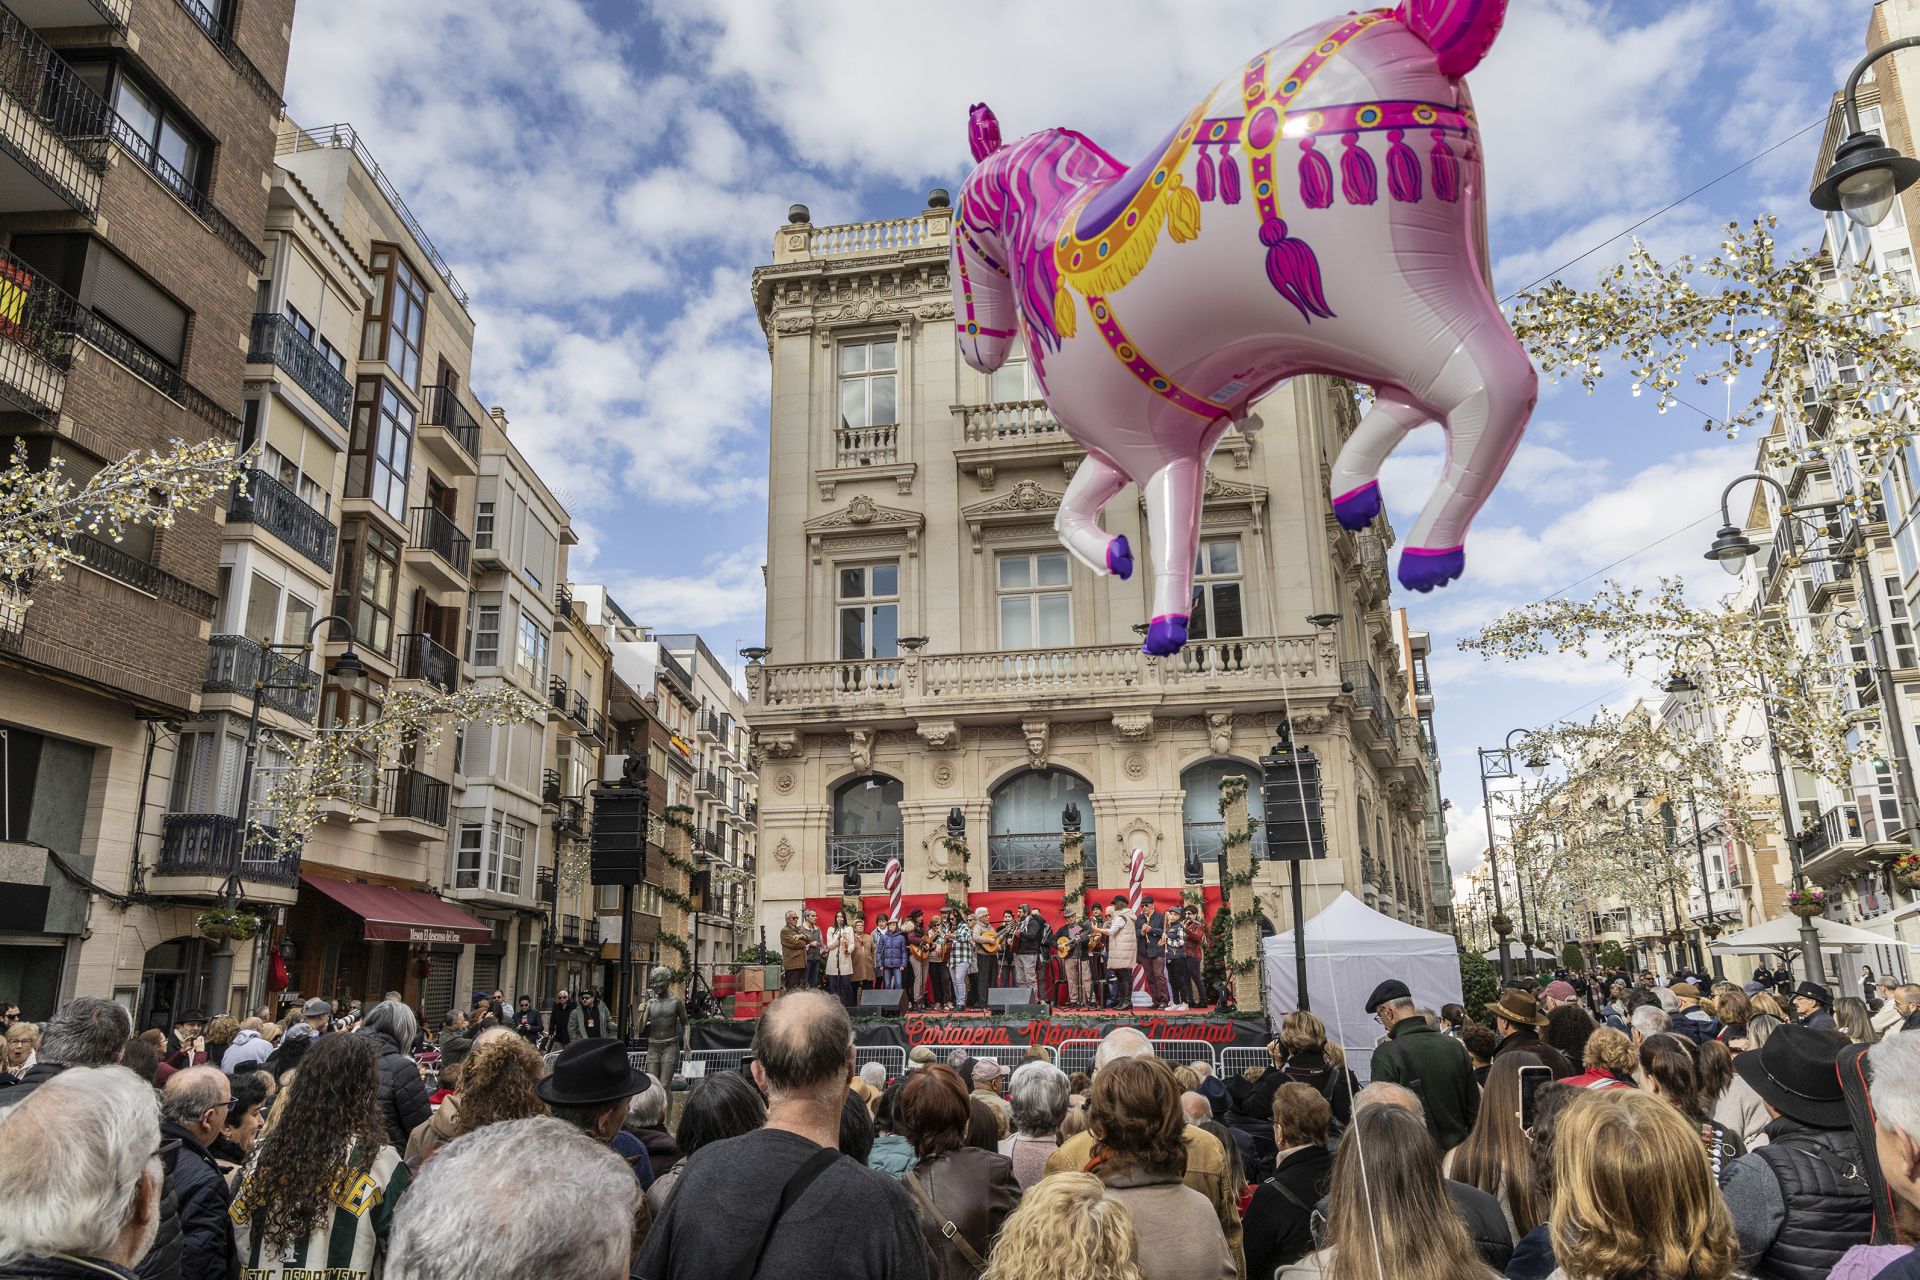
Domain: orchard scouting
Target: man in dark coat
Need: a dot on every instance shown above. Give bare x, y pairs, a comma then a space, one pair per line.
1434, 1067
86, 1032
1813, 1006
193, 1113
558, 1018
390, 1025
1517, 1018
526, 1022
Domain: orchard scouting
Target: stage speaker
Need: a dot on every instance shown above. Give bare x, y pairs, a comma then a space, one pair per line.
618, 842
880, 999
1019, 1011
999, 997
1290, 791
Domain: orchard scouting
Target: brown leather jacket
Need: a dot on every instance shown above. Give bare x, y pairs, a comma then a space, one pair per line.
973, 1189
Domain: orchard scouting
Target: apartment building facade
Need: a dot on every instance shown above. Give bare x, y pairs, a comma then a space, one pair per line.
135, 147
725, 802
931, 647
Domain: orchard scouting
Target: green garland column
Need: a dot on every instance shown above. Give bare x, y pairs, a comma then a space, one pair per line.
1073, 866
1236, 883
677, 911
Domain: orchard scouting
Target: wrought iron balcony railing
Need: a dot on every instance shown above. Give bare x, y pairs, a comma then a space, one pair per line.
431, 530
550, 786
1025, 852
184, 189
123, 566
1368, 695
256, 80
1209, 839
443, 409
424, 658
60, 131
408, 793
206, 844
236, 664
861, 853
37, 323
128, 350
557, 693
545, 888
283, 513
275, 341
563, 601
572, 816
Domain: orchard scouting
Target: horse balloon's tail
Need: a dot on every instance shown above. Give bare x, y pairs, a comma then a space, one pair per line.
1458, 31
983, 131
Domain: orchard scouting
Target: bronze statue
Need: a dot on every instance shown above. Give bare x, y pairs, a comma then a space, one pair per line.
666, 1018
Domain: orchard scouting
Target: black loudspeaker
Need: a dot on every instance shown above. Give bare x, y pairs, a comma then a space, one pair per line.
1002, 997
619, 838
1294, 829
879, 999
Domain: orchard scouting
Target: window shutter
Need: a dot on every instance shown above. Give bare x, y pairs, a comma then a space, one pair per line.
126, 297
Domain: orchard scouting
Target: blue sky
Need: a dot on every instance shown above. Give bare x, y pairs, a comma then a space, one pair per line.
604, 176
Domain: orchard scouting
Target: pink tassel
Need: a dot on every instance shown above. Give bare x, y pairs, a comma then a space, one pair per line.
1203, 176
1294, 271
1229, 178
1403, 170
1446, 168
1357, 180
1316, 178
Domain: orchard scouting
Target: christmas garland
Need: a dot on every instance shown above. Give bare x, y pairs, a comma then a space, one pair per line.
956, 847
1073, 867
678, 817
1233, 790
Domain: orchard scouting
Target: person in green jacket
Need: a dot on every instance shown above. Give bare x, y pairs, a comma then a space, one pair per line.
1434, 1066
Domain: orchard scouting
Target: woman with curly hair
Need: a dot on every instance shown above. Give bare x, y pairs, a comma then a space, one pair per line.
1067, 1225
326, 1155
496, 1083
1140, 1153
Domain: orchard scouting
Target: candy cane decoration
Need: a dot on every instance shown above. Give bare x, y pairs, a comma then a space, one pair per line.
891, 879
1136, 877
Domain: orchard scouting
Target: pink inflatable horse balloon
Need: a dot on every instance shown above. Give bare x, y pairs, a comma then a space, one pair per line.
1346, 163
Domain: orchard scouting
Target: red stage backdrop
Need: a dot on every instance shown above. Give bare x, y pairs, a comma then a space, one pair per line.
1049, 902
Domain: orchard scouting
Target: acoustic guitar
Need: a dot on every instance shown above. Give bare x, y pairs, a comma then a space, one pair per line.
1063, 946
987, 944
942, 949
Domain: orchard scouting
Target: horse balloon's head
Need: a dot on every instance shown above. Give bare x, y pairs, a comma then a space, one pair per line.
986, 320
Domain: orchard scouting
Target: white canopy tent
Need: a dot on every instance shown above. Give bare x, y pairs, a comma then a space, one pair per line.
1351, 949
1782, 933
1519, 953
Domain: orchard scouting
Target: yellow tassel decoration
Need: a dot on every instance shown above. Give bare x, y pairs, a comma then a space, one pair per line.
1064, 318
1183, 219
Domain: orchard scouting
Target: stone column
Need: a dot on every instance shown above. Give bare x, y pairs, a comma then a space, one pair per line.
1243, 936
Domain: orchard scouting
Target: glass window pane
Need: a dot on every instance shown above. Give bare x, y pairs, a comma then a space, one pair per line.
1016, 623
299, 619
1052, 569
1056, 621
1223, 556
853, 634
137, 110
1226, 610
176, 150
883, 408
886, 631
853, 583
853, 357
1015, 572
853, 403
886, 580
263, 609
883, 354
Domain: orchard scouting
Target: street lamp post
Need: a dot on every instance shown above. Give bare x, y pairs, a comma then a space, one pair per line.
220, 970
1678, 684
1866, 174
1497, 762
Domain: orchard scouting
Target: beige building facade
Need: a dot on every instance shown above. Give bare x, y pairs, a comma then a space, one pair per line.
932, 647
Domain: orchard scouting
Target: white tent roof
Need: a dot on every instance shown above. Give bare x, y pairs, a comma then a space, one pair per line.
1519, 953
1784, 931
1351, 948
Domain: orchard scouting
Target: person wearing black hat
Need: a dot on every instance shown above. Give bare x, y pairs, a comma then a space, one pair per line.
1802, 1200
189, 1045
590, 1086
1813, 1006
1435, 1067
1517, 1019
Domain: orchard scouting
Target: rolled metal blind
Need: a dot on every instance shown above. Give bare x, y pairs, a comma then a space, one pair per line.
126, 297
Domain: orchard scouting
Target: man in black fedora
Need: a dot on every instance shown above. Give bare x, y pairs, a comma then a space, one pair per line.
1813, 1006
1802, 1200
1517, 1019
590, 1086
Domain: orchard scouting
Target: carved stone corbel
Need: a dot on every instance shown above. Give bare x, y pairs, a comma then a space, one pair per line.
1219, 732
1133, 726
860, 747
1037, 733
939, 735
780, 744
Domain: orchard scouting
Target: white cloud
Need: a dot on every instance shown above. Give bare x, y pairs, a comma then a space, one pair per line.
725, 591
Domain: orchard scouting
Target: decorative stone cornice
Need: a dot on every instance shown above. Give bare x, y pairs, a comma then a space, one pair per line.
1027, 500
1133, 726
863, 515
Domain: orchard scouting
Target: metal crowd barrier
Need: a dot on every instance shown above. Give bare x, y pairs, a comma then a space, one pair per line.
890, 1056
1238, 1058
1077, 1055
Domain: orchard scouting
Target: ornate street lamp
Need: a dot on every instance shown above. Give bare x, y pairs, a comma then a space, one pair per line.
1866, 174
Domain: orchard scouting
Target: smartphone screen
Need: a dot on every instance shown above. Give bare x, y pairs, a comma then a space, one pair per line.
1531, 1078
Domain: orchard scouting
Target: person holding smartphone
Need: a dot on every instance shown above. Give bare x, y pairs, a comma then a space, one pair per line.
1497, 1156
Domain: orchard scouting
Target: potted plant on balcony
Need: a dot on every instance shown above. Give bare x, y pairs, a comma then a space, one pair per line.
226, 924
1906, 869
1807, 903
1503, 925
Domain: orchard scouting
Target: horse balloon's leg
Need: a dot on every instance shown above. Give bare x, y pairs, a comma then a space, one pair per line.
1173, 526
1356, 475
1078, 522
1485, 393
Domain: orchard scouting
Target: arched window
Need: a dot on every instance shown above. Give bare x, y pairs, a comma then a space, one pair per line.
866, 824
1204, 829
1024, 826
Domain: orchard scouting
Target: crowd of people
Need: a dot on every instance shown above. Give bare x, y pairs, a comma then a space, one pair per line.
1571, 1129
953, 961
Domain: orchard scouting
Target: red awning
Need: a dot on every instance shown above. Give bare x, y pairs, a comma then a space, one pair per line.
402, 915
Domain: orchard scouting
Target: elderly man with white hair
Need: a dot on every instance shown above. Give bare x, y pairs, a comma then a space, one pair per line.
469, 1215
1894, 1066
83, 1176
1206, 1158
193, 1110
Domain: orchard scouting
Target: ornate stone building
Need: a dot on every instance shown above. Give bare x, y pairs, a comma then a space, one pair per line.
932, 646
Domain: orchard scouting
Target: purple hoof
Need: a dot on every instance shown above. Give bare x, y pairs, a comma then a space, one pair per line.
1357, 509
1120, 558
1423, 570
1166, 634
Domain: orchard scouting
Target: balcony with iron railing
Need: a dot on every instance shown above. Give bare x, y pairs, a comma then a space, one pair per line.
38, 321
448, 430
222, 39
425, 659
557, 696
563, 601
267, 504
236, 664
1836, 846
206, 846
545, 888
143, 363
408, 796
1033, 859
1368, 696
123, 566
708, 784
570, 931
1209, 839
53, 126
570, 817
275, 341
862, 853
550, 790
447, 550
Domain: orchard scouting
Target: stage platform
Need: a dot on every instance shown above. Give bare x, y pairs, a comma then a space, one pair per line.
1229, 1042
